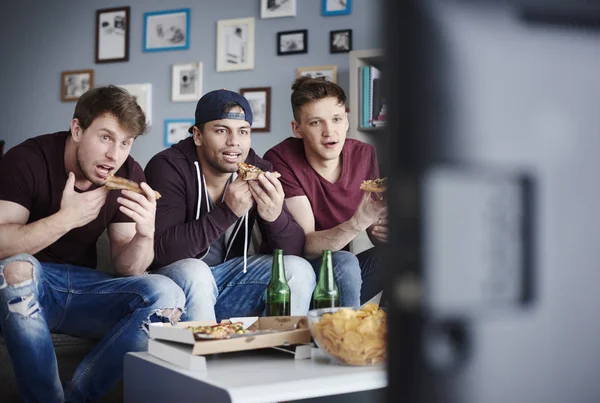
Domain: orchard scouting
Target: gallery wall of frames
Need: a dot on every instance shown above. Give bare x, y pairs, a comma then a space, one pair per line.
167, 55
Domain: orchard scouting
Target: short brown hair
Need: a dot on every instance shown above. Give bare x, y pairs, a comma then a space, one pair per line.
307, 89
114, 100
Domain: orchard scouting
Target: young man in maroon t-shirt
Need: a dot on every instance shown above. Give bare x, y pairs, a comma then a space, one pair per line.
321, 172
53, 209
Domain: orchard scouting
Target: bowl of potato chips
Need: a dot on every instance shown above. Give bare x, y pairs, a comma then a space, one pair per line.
352, 336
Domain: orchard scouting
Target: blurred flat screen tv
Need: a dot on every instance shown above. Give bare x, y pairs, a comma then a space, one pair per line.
493, 149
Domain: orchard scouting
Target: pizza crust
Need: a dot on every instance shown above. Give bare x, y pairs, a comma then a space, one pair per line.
118, 183
374, 185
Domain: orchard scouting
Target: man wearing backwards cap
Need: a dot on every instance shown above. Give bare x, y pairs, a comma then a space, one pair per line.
205, 217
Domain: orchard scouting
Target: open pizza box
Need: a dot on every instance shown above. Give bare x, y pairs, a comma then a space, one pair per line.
270, 332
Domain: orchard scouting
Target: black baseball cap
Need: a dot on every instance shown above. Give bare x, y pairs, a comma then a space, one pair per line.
211, 107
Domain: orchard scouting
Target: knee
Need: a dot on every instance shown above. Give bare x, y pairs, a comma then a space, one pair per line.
16, 270
165, 295
345, 263
300, 271
191, 274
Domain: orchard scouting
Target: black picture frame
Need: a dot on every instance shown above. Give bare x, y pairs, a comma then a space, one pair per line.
292, 42
335, 37
112, 22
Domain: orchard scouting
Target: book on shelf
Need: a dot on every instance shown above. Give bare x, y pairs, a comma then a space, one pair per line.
370, 97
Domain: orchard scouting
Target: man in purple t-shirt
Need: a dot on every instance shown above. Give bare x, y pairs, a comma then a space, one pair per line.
53, 209
321, 172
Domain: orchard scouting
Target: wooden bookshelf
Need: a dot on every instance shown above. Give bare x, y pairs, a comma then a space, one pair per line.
358, 59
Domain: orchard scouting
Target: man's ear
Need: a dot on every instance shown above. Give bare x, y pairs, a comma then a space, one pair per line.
347, 123
296, 129
197, 134
76, 130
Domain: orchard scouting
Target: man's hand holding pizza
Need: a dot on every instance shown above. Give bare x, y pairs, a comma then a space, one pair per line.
369, 210
238, 197
268, 194
141, 208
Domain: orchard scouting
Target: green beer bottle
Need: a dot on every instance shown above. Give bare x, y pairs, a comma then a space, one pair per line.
326, 294
278, 291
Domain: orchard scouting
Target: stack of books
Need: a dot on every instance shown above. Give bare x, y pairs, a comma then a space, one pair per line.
372, 104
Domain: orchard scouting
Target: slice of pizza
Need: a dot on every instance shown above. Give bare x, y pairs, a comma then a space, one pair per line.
250, 172
118, 183
219, 331
374, 185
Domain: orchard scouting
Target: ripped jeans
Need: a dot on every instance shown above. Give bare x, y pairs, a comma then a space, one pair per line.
82, 302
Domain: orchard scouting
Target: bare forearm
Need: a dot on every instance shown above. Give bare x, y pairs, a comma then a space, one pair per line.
335, 239
135, 257
31, 238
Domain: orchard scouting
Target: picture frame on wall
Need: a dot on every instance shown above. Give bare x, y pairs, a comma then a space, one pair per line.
112, 35
74, 83
340, 41
167, 30
259, 99
235, 44
177, 130
328, 72
143, 96
336, 7
186, 82
292, 42
277, 8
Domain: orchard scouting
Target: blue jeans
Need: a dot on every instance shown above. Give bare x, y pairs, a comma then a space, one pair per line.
225, 291
358, 277
82, 302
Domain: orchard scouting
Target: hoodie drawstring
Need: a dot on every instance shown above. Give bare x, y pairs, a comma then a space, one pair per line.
199, 190
245, 240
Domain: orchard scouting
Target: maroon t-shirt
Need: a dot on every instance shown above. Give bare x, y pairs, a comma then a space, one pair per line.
332, 203
33, 175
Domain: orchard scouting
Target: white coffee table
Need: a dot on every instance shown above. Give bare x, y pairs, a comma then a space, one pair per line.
250, 377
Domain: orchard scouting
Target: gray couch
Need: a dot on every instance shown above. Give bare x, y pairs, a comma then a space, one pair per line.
69, 350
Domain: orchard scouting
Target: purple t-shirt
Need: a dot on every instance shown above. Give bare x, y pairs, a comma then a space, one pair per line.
33, 175
332, 203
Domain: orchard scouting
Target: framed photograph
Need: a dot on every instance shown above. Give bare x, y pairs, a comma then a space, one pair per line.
340, 41
167, 30
235, 44
143, 96
337, 7
277, 8
259, 99
328, 72
292, 42
186, 82
74, 83
176, 130
112, 35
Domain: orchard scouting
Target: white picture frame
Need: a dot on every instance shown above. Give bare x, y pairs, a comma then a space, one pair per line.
186, 82
277, 8
177, 130
328, 72
235, 44
143, 96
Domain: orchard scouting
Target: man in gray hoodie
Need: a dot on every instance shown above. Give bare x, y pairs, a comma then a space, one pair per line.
206, 215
